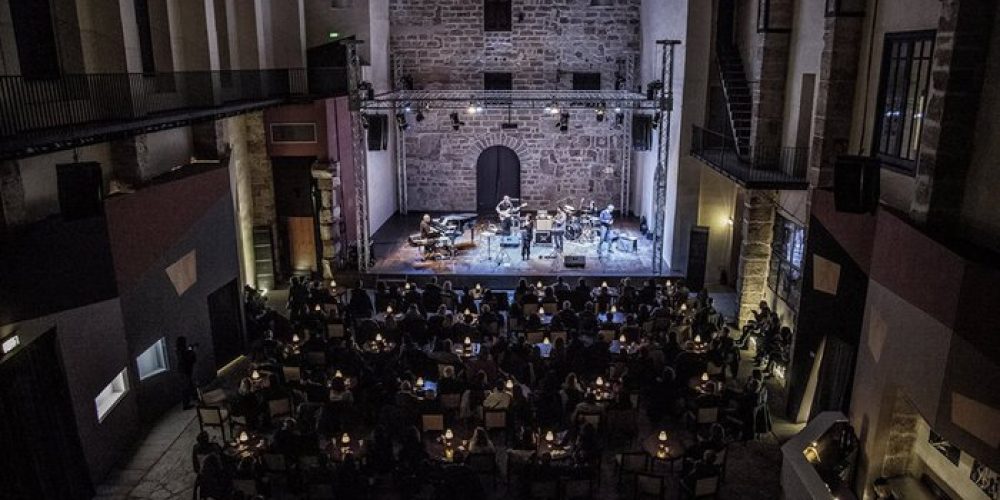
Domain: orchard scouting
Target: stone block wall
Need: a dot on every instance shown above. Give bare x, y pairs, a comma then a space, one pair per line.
441, 44
584, 162
755, 254
261, 177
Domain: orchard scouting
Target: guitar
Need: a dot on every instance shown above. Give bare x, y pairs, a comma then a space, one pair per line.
504, 214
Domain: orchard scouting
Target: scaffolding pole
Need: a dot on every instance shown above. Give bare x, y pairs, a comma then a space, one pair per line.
360, 149
666, 106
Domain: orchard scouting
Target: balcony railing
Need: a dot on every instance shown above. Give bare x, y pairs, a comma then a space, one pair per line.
65, 108
767, 168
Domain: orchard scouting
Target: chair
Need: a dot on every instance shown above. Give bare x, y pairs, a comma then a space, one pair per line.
279, 408
543, 489
451, 403
650, 485
275, 463
247, 487
550, 308
335, 331
704, 487
292, 373
635, 399
576, 488
213, 416
529, 309
622, 422
432, 422
214, 397
708, 415
484, 463
554, 336
630, 462
495, 419
534, 337
316, 358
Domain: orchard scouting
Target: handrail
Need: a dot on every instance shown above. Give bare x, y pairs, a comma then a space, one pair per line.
29, 105
775, 164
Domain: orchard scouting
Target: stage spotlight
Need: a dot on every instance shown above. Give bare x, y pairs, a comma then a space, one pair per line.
563, 122
401, 121
474, 107
455, 122
600, 112
552, 108
407, 108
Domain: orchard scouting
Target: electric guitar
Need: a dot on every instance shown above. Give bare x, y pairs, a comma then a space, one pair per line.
504, 214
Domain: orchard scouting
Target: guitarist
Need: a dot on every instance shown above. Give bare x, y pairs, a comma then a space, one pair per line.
607, 218
505, 209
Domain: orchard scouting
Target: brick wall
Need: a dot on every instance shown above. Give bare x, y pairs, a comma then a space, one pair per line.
442, 45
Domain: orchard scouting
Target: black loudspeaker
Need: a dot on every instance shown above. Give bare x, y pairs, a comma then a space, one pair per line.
543, 237
856, 184
81, 190
575, 261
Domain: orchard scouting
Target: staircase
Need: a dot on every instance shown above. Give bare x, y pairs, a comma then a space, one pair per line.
734, 80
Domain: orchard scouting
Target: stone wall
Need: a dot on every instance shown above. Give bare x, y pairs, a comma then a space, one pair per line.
441, 44
755, 254
583, 162
261, 177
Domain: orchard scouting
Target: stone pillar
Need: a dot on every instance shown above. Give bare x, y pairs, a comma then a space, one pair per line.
771, 67
957, 73
838, 75
902, 437
328, 182
12, 212
757, 226
261, 176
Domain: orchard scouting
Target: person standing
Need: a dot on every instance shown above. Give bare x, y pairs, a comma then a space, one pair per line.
607, 218
527, 233
558, 229
186, 358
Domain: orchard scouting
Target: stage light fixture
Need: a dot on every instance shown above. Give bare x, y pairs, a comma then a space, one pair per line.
407, 108
600, 112
420, 116
455, 122
552, 108
563, 122
401, 121
656, 120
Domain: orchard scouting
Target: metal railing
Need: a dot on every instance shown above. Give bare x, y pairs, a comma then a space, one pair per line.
777, 167
30, 105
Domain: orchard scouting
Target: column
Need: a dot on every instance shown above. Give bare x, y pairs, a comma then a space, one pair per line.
757, 226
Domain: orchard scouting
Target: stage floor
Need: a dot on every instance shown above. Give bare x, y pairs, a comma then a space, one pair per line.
394, 255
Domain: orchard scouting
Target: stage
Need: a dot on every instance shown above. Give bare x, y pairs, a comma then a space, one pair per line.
395, 256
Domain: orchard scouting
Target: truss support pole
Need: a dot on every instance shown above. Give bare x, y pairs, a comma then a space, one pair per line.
400, 150
359, 140
626, 198
666, 106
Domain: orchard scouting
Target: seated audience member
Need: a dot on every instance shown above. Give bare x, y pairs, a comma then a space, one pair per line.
481, 443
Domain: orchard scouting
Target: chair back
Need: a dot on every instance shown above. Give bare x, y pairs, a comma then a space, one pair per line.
335, 331
622, 420
214, 397
530, 309
482, 463
706, 486
635, 461
708, 415
431, 422
279, 407
554, 336
316, 358
650, 485
534, 337
577, 488
451, 402
495, 419
550, 308
292, 373
593, 419
605, 335
211, 416
246, 486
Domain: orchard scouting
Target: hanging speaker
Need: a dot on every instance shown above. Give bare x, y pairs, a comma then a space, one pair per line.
81, 190
856, 184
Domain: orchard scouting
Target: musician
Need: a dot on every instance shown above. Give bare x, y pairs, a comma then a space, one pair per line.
428, 234
607, 218
558, 229
504, 209
527, 234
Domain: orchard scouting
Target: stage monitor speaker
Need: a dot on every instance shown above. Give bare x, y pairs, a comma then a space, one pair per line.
856, 184
543, 237
575, 261
81, 190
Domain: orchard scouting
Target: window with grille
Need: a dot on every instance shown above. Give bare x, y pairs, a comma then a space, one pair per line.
787, 249
906, 68
496, 15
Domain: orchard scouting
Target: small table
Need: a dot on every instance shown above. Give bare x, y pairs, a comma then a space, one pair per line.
674, 450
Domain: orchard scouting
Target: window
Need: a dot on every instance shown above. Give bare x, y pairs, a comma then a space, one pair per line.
498, 81
787, 249
906, 68
35, 37
111, 395
153, 360
586, 81
496, 15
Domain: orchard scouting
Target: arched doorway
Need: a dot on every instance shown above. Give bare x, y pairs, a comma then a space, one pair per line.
498, 172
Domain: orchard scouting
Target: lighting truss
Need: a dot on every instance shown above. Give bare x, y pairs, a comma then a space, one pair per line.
510, 99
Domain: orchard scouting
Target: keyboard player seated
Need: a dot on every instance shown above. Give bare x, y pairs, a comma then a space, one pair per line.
429, 235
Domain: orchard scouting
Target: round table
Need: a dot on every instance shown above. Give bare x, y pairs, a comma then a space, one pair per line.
674, 449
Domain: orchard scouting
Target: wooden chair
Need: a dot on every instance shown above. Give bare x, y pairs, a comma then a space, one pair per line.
213, 416
292, 373
577, 488
650, 485
704, 487
550, 308
335, 331
277, 408
432, 422
534, 337
594, 419
631, 462
554, 336
213, 397
495, 419
316, 358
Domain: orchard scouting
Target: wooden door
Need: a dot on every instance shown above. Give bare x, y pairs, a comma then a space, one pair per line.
498, 173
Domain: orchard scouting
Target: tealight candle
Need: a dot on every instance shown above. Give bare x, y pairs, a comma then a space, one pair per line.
407, 285
378, 337
546, 341
468, 341
704, 377
599, 381
449, 454
509, 385
448, 435
318, 308
467, 311
333, 283
604, 284
614, 309
420, 382
345, 439
255, 375
622, 339
388, 310
684, 307
697, 339
478, 287
295, 338
549, 437
662, 437
244, 437
538, 285
338, 374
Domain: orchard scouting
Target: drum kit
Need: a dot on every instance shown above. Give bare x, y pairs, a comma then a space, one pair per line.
582, 222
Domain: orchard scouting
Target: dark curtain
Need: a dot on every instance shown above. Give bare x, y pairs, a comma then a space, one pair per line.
836, 376
498, 173
40, 452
